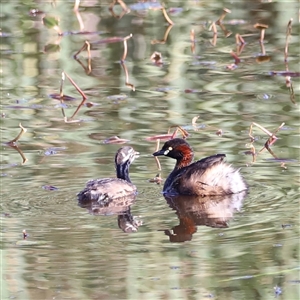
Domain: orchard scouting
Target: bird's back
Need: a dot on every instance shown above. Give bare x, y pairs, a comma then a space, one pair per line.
208, 176
105, 190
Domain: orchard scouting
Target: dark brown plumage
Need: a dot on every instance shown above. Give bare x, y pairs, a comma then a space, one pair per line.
206, 177
105, 190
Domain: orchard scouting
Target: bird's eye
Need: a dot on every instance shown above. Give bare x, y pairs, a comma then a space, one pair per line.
168, 150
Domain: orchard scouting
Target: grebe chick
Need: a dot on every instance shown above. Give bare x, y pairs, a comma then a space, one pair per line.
209, 176
105, 190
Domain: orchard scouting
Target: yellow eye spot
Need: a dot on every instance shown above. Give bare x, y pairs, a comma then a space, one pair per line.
170, 148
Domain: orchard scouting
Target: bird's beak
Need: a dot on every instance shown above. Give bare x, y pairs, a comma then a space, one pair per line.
158, 153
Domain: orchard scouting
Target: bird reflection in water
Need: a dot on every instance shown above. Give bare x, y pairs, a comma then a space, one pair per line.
194, 211
120, 206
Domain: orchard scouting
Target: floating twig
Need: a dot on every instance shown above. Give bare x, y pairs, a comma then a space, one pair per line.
115, 140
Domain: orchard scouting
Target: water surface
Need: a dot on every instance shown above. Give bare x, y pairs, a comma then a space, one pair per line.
240, 248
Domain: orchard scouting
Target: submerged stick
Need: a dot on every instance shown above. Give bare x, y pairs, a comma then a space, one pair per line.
213, 27
122, 4
239, 39
23, 130
15, 146
84, 97
262, 28
79, 19
288, 34
125, 47
226, 32
192, 38
224, 13
84, 47
155, 157
184, 133
166, 16
260, 127
61, 93
163, 41
127, 76
76, 5
271, 140
76, 111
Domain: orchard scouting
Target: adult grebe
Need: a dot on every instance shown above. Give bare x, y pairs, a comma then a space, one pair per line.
206, 177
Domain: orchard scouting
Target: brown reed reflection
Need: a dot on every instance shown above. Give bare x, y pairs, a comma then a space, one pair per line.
270, 141
13, 143
163, 41
141, 6
193, 211
120, 207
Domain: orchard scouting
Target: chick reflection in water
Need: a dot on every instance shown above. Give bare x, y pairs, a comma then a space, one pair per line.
126, 221
194, 211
